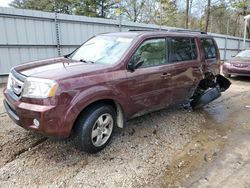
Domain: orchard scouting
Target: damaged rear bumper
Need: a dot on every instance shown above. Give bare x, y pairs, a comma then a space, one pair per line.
210, 94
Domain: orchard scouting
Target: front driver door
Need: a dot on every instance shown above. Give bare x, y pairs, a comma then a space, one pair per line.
149, 86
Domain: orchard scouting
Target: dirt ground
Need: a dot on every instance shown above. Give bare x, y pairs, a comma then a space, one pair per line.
170, 148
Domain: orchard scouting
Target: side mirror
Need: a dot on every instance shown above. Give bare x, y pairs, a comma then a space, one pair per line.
134, 65
139, 63
233, 55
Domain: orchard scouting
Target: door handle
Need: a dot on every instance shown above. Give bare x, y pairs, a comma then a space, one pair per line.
165, 75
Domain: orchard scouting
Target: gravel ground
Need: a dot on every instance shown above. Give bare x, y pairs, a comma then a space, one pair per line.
137, 156
161, 149
231, 166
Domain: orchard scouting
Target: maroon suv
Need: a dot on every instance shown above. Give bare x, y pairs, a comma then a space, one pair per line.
110, 79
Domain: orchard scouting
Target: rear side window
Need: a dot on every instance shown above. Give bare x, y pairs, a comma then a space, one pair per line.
209, 48
182, 49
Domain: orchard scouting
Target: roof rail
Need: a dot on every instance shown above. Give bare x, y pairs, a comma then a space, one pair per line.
171, 30
141, 30
186, 30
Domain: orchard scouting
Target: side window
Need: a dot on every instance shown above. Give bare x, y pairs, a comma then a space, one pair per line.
152, 52
209, 48
182, 49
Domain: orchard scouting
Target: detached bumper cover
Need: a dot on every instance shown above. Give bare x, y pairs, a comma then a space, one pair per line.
222, 84
207, 97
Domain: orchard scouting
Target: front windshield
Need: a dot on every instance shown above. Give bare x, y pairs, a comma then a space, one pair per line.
244, 54
102, 49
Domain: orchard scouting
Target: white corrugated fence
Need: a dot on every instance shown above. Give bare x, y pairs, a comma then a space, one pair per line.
27, 35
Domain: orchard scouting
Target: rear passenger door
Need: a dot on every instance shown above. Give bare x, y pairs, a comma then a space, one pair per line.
211, 56
184, 56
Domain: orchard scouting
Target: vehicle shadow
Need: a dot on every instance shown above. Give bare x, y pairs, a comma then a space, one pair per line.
167, 126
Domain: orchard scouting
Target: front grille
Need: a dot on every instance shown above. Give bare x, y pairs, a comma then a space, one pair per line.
16, 84
240, 65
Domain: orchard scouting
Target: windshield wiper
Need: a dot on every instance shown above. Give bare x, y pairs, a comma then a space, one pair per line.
67, 56
86, 61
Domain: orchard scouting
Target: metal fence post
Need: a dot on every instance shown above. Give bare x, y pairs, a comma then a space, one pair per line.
225, 49
238, 45
57, 35
120, 16
120, 22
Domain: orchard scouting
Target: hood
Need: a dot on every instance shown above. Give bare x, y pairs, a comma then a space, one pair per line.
240, 60
58, 68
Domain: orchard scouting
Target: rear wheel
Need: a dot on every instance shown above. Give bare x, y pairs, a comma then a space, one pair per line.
94, 128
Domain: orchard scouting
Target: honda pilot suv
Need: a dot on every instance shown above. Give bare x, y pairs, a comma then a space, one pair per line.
110, 79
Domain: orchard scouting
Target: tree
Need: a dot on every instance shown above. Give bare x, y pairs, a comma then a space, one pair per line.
187, 13
86, 8
207, 15
62, 6
133, 9
17, 3
242, 9
221, 19
96, 8
169, 12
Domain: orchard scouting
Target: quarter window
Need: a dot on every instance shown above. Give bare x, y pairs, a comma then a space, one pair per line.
182, 49
209, 48
152, 52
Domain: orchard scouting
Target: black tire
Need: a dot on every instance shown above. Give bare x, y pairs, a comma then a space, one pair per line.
84, 127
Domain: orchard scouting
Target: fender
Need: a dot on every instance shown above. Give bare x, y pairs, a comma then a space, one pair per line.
86, 97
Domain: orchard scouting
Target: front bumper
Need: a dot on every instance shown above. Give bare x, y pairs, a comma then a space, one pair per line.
51, 121
241, 71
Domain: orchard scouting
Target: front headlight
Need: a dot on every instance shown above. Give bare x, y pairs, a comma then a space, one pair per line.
39, 88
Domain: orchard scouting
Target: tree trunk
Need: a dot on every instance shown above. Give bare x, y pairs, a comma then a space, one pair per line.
135, 11
102, 9
248, 32
208, 15
187, 13
236, 25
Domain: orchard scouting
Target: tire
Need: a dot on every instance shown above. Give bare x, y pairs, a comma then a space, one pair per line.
94, 128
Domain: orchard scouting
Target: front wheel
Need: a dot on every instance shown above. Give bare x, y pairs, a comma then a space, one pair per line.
94, 128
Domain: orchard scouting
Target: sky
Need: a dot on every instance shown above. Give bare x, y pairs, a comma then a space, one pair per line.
4, 3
